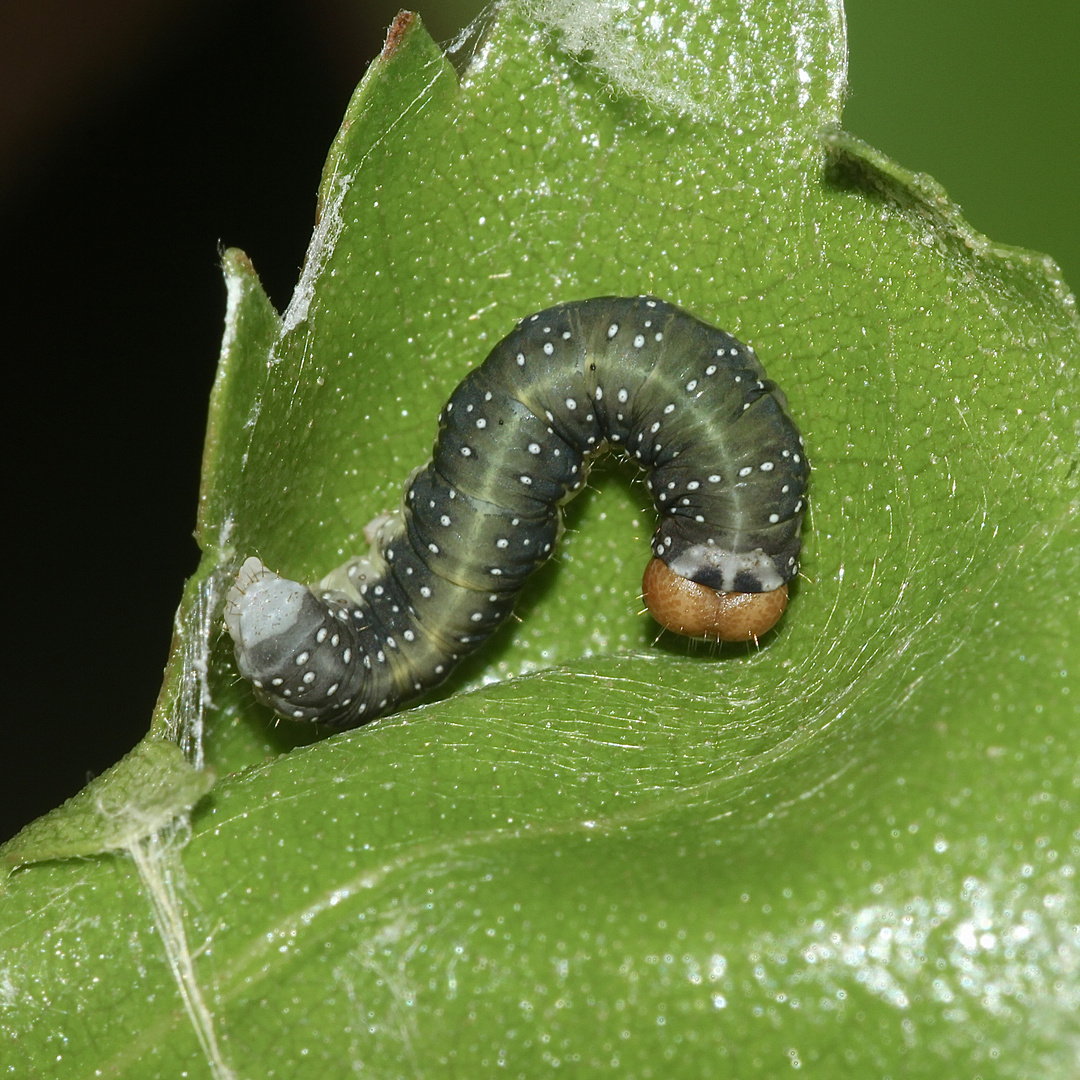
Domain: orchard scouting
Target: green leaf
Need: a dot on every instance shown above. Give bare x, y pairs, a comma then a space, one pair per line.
852, 851
138, 796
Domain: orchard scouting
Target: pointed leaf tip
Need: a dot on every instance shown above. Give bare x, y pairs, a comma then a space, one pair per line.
141, 793
399, 29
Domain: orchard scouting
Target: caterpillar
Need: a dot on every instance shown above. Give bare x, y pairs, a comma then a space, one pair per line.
681, 399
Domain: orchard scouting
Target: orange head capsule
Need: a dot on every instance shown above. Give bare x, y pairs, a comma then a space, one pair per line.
697, 611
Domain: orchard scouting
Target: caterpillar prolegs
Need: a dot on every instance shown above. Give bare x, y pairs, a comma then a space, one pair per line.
685, 401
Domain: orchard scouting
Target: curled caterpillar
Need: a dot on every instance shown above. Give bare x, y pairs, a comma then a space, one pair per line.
685, 401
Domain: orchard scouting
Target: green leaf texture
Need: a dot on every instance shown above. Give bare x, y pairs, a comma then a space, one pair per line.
850, 852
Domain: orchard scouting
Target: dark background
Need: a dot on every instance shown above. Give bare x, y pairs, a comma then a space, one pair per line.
135, 138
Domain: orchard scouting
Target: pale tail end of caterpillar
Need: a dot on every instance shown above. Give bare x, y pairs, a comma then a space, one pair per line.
684, 401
